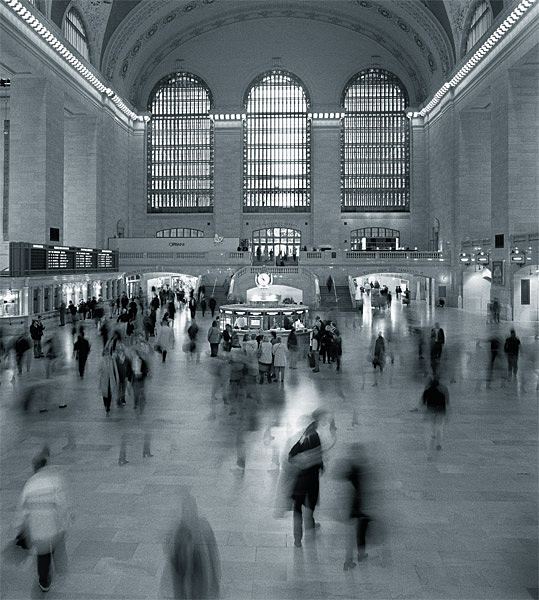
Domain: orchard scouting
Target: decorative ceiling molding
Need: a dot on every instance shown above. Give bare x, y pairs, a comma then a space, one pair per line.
429, 24
119, 65
377, 35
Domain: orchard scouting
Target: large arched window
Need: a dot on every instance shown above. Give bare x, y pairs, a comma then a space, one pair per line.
375, 144
180, 146
276, 154
75, 33
374, 238
481, 20
179, 232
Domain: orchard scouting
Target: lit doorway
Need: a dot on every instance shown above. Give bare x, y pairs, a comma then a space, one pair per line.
272, 241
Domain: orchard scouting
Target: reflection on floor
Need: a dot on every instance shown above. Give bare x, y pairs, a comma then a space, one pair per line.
459, 523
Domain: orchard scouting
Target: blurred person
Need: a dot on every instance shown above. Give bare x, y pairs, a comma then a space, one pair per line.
203, 305
82, 350
435, 399
265, 359
292, 346
336, 349
192, 306
62, 313
36, 333
72, 309
42, 517
351, 470
306, 456
437, 341
214, 337
315, 348
165, 339
21, 347
194, 348
213, 306
194, 565
279, 359
52, 353
379, 357
511, 349
109, 376
494, 344
227, 337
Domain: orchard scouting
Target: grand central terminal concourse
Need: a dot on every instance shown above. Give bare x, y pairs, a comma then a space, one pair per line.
269, 299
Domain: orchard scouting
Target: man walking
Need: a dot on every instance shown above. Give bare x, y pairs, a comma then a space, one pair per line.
306, 456
42, 517
36, 333
435, 399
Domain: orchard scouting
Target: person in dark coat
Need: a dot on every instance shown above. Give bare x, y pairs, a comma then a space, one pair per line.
511, 349
62, 311
306, 456
352, 471
203, 305
192, 306
82, 349
213, 306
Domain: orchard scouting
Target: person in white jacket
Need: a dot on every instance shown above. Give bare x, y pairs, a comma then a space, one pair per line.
42, 516
165, 338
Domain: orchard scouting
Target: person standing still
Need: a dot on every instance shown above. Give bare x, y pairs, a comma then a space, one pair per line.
62, 311
511, 349
36, 333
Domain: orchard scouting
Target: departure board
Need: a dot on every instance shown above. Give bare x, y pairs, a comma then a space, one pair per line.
104, 260
84, 259
60, 259
28, 259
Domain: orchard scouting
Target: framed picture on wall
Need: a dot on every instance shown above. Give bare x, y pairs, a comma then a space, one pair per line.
497, 272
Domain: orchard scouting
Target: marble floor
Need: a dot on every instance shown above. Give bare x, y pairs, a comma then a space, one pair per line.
460, 523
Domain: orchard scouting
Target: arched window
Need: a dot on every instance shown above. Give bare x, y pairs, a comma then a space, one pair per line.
276, 239
75, 33
180, 146
179, 232
374, 238
276, 150
480, 22
375, 144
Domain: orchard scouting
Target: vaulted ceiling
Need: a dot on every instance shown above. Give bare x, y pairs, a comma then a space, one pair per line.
132, 38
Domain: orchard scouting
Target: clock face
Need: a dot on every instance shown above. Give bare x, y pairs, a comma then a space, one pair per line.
263, 279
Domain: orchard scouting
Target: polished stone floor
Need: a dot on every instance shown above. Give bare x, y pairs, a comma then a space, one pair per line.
458, 523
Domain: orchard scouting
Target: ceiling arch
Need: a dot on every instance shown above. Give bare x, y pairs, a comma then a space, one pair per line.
154, 29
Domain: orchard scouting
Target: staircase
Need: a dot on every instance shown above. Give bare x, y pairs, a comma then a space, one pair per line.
344, 302
219, 294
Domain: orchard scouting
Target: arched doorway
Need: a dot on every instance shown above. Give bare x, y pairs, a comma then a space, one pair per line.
476, 291
374, 238
274, 240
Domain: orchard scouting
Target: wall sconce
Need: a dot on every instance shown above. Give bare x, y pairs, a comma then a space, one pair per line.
482, 258
465, 258
518, 256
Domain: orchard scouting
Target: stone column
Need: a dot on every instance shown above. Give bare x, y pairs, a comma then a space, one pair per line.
326, 182
499, 156
228, 179
37, 159
80, 181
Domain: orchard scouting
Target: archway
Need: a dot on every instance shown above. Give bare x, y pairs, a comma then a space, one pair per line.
476, 291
